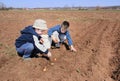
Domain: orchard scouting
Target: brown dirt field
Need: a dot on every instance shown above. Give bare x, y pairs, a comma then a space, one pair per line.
96, 36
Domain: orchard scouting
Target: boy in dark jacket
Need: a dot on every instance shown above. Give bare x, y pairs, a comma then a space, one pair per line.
60, 33
30, 42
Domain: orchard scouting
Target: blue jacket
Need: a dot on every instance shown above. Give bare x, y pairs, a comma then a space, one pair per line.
58, 29
29, 35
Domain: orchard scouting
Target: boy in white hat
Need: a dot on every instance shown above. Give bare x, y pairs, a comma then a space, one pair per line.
33, 40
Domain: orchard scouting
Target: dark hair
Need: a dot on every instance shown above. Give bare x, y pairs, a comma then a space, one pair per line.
65, 24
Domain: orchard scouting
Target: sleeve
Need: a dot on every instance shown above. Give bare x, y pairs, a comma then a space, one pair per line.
51, 30
69, 38
41, 47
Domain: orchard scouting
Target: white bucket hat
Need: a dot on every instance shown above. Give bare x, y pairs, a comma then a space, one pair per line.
40, 24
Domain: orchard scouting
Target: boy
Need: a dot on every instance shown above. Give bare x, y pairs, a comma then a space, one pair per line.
60, 33
30, 42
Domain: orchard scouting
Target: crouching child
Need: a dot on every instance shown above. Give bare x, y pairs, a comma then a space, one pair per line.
60, 33
31, 41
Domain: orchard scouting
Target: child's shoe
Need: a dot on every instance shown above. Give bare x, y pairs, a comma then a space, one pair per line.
57, 45
26, 58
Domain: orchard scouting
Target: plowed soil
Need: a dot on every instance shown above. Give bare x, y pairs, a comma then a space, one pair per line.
96, 36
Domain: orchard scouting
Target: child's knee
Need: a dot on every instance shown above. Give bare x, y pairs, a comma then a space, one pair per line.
30, 46
55, 33
63, 38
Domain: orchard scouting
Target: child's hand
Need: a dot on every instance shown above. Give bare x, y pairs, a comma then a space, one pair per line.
73, 49
41, 41
49, 54
54, 39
